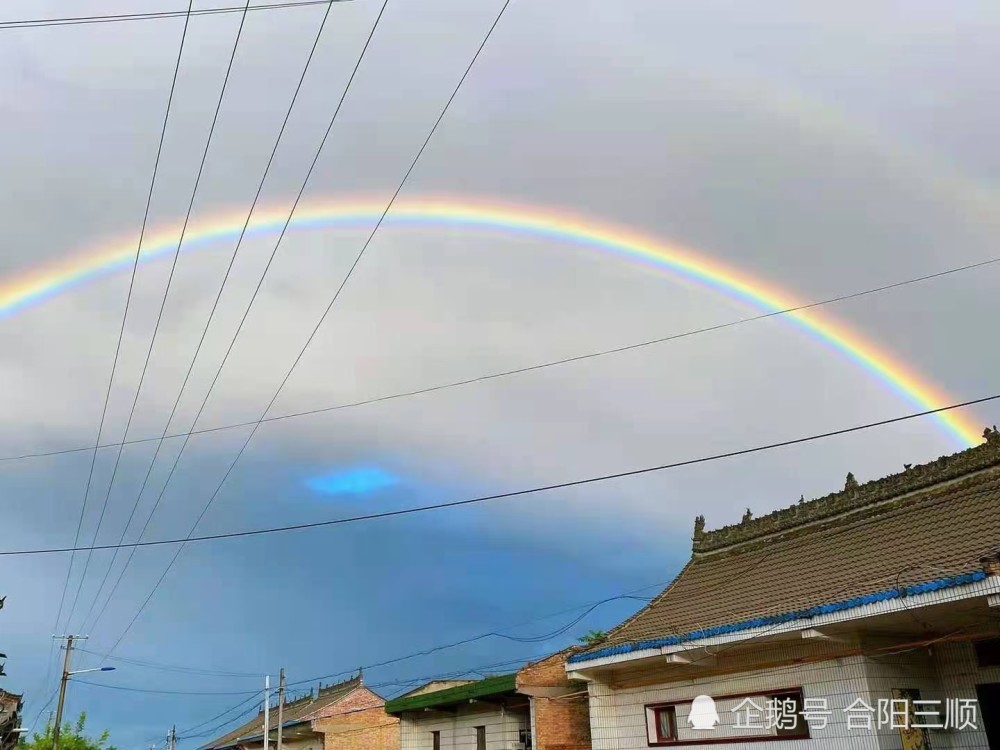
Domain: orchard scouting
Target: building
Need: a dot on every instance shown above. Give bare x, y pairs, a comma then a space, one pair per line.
868, 619
537, 708
560, 711
342, 716
487, 714
10, 719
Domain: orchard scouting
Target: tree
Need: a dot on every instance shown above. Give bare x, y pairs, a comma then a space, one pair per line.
593, 637
72, 737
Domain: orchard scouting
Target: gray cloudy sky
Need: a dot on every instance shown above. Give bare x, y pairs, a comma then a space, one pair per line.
822, 148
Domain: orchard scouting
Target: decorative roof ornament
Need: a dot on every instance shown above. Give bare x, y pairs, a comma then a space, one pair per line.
802, 499
747, 517
699, 527
851, 497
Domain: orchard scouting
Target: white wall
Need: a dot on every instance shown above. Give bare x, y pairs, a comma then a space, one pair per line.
958, 674
458, 732
618, 718
913, 670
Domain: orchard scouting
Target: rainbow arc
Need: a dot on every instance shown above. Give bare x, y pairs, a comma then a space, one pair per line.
106, 258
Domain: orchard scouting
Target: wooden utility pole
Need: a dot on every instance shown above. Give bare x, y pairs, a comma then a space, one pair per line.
281, 702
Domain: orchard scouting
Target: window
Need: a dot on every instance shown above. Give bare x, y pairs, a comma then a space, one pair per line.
666, 723
480, 738
988, 652
788, 706
749, 717
436, 740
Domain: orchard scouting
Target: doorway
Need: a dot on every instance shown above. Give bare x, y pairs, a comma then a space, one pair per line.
989, 711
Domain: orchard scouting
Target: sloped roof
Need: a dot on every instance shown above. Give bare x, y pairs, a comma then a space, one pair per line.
479, 689
434, 686
295, 712
933, 522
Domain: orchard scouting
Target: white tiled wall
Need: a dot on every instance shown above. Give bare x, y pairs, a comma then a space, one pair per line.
459, 732
618, 718
958, 674
910, 670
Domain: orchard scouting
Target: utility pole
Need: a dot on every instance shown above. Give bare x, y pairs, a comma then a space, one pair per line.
172, 738
267, 712
281, 702
62, 687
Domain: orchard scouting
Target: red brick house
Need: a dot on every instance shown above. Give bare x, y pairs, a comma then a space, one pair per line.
342, 716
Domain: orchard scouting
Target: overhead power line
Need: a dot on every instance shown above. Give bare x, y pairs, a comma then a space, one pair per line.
33, 23
520, 370
204, 332
128, 300
516, 493
329, 307
242, 322
166, 291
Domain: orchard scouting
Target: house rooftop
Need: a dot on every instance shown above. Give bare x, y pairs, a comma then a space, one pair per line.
295, 712
434, 686
491, 686
935, 525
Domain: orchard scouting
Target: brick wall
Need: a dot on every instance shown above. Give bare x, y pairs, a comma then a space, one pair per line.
558, 723
358, 722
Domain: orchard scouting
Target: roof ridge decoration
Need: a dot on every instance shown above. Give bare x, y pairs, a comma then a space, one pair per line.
325, 690
852, 497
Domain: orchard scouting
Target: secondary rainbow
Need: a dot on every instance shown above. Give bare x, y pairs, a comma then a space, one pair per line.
108, 257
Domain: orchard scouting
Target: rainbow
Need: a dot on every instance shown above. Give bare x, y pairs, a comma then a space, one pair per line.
108, 257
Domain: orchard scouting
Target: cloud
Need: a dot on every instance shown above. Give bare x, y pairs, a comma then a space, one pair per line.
683, 122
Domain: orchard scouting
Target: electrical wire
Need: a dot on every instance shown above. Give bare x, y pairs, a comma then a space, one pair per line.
589, 607
52, 697
166, 291
34, 23
186, 733
129, 689
128, 299
204, 333
170, 667
336, 294
529, 368
514, 493
246, 312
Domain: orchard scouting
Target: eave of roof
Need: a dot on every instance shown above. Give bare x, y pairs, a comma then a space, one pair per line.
259, 737
480, 689
804, 614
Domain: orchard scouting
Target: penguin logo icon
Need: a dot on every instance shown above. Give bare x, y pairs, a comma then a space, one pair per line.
703, 716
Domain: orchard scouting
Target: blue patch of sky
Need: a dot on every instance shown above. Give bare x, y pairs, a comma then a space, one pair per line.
358, 480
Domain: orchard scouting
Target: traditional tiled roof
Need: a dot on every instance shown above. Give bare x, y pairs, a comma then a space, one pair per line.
295, 712
930, 525
462, 693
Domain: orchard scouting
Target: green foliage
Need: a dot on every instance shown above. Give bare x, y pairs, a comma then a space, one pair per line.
593, 637
71, 737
